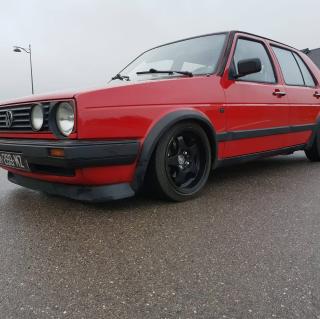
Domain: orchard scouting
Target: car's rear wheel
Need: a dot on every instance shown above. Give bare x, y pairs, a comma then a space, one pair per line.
182, 161
313, 154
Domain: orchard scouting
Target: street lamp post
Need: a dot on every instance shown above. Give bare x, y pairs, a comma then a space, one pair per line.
20, 49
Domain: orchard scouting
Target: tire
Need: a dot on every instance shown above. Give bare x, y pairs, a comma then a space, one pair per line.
313, 154
182, 162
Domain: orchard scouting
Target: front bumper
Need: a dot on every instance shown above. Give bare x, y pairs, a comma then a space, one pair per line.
64, 176
77, 154
94, 194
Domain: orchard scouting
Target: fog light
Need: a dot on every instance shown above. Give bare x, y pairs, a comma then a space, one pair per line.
56, 152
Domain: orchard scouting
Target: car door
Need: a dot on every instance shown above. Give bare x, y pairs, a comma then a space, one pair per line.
302, 89
256, 105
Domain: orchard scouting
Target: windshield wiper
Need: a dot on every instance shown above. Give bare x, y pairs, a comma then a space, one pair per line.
187, 73
121, 77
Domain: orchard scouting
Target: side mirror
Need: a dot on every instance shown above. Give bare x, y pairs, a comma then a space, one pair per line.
248, 66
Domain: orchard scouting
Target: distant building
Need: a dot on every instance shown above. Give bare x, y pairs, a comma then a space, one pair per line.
314, 55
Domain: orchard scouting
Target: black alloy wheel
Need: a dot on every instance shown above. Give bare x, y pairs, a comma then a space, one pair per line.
182, 161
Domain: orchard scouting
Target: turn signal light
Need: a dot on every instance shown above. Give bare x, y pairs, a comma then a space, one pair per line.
56, 152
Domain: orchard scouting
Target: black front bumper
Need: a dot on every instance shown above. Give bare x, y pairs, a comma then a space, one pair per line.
77, 154
94, 194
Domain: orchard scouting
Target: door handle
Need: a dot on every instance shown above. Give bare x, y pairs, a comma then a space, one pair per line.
317, 95
279, 93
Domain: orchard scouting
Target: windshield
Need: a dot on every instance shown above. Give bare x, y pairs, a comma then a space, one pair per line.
198, 55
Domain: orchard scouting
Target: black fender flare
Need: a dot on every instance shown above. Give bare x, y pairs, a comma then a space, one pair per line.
160, 128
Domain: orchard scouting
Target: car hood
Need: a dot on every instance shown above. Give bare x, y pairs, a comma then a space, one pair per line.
59, 95
179, 90
39, 97
174, 90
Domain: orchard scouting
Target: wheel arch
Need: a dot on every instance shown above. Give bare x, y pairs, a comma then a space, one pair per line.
159, 128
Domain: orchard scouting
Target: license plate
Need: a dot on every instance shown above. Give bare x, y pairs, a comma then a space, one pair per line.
13, 160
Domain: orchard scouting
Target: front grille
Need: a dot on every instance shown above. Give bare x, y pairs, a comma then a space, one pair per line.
21, 118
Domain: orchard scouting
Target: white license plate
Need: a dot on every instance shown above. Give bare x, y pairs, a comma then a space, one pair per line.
13, 160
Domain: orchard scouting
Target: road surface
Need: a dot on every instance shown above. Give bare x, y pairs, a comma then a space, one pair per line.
249, 247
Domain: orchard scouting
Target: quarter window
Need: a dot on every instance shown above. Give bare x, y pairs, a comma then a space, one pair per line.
247, 49
308, 78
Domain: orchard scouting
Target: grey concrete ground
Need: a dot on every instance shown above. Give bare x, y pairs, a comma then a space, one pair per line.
248, 248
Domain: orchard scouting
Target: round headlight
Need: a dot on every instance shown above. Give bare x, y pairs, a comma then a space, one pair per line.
37, 117
65, 118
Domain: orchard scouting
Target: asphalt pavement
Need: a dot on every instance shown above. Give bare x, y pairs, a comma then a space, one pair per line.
249, 247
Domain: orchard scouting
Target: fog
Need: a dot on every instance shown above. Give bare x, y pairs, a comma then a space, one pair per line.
82, 43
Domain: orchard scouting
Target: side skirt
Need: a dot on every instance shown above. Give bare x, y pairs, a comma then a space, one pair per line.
250, 157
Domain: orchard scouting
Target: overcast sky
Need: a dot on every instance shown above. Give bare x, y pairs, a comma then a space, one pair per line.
82, 43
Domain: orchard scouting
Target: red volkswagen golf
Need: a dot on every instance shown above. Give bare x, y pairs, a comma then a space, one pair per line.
171, 116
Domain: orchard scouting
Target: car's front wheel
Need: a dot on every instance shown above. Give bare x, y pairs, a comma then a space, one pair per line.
182, 161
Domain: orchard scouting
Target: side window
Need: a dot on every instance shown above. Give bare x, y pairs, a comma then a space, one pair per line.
289, 67
308, 78
247, 49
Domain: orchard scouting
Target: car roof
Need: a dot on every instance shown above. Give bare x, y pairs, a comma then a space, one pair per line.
229, 33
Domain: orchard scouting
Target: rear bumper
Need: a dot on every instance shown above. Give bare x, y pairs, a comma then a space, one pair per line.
77, 154
94, 194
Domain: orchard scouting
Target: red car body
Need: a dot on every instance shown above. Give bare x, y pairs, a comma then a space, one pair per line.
118, 127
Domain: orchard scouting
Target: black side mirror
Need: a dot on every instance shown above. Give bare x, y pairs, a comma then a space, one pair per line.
248, 66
